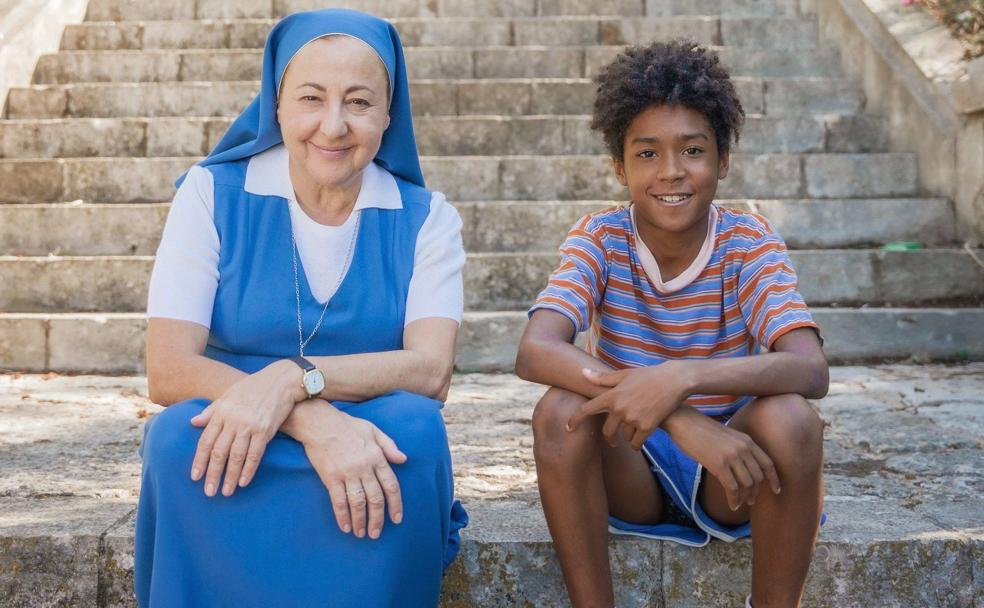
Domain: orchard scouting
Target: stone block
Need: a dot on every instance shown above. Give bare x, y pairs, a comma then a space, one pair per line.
381, 8
53, 284
860, 175
434, 98
597, 58
580, 139
157, 100
782, 135
762, 176
62, 138
439, 62
836, 277
529, 62
751, 93
220, 65
773, 33
556, 32
176, 137
23, 343
131, 10
137, 180
506, 281
215, 130
488, 341
185, 35
503, 97
922, 277
482, 8
670, 8
559, 177
248, 34
767, 63
85, 66
798, 96
454, 32
758, 8
574, 96
482, 136
463, 179
37, 102
627, 8
703, 30
103, 342
241, 9
102, 36
857, 134
70, 229
31, 181
505, 227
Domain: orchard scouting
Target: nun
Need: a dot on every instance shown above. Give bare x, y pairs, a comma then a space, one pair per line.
302, 316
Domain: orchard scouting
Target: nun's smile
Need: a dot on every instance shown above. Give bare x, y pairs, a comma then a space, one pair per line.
333, 110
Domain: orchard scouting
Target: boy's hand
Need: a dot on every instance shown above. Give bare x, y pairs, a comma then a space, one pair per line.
729, 455
638, 400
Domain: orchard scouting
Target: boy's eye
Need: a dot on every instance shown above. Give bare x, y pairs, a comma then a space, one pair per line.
692, 151
647, 154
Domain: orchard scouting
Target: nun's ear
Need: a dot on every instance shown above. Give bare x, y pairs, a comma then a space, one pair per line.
387, 125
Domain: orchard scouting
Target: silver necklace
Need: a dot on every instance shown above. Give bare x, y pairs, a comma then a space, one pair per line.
301, 342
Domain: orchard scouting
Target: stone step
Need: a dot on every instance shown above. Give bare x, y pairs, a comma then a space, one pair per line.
903, 506
75, 229
113, 343
791, 97
511, 281
133, 10
757, 32
476, 178
436, 136
422, 62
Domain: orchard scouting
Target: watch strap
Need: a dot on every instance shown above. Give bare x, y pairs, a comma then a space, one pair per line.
304, 364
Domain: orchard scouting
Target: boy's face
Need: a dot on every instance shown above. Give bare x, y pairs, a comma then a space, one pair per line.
671, 166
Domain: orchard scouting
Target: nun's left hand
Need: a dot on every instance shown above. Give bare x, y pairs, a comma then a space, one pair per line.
238, 426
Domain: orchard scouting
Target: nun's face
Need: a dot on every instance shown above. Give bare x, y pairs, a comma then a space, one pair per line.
333, 109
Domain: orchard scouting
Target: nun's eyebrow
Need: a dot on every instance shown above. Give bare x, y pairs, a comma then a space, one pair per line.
358, 87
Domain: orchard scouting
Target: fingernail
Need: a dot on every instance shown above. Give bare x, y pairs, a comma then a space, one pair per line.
778, 490
374, 534
242, 482
568, 428
398, 518
227, 489
346, 528
196, 473
210, 489
734, 508
360, 533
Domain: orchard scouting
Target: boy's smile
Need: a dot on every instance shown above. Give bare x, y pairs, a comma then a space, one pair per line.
671, 167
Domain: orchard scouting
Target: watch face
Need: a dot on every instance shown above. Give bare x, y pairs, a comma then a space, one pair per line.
314, 382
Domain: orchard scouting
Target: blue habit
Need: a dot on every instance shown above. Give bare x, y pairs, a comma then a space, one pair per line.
276, 542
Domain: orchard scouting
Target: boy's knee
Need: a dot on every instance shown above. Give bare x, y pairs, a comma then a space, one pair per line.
789, 426
550, 418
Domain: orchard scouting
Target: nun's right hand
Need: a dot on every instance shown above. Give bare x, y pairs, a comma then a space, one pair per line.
352, 457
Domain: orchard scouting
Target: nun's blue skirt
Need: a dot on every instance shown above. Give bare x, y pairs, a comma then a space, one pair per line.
275, 543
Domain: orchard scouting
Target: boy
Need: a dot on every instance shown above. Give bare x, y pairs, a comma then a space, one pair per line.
679, 295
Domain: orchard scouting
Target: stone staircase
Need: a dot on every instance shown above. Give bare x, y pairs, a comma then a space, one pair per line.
501, 93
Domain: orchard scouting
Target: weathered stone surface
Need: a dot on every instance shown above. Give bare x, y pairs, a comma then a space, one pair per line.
64, 534
97, 66
37, 102
779, 34
529, 62
440, 62
84, 284
703, 30
241, 9
797, 96
76, 229
23, 342
833, 175
110, 343
22, 181
128, 10
58, 138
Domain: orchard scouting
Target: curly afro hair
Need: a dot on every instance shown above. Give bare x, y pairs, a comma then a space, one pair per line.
680, 73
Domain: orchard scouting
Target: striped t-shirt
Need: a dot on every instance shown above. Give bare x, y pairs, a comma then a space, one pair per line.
739, 294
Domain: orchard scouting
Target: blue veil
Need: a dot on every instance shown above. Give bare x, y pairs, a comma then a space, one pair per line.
257, 129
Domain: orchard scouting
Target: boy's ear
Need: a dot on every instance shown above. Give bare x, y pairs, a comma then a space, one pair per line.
724, 163
619, 167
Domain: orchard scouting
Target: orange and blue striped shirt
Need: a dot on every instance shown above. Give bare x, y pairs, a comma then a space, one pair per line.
739, 295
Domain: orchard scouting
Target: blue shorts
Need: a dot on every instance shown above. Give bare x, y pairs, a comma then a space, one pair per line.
679, 476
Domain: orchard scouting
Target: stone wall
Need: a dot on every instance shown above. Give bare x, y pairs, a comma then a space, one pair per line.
29, 28
913, 74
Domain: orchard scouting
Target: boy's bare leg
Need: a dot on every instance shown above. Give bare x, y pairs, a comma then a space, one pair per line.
582, 479
784, 526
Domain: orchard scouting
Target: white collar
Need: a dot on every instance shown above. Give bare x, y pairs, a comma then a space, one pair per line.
693, 271
268, 174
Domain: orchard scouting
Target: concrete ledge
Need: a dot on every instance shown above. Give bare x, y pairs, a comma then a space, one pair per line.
902, 497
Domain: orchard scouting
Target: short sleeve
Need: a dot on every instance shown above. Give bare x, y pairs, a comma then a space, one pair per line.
436, 288
186, 270
575, 289
768, 298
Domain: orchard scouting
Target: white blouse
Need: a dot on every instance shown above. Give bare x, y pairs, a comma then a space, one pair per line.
186, 271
